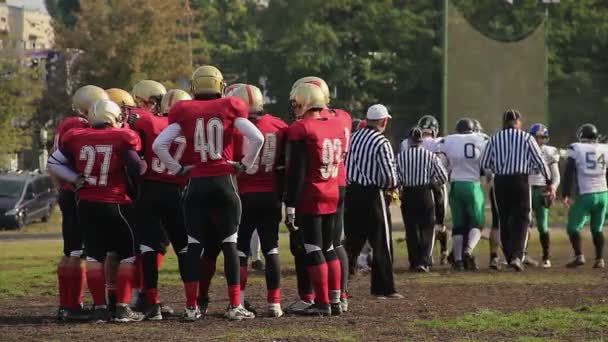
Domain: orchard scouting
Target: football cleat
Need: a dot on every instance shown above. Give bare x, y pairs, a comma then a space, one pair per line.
458, 266
100, 314
154, 313
423, 269
166, 309
336, 309
238, 313
443, 258
546, 263
599, 263
494, 264
578, 260
62, 314
528, 261
297, 306
274, 310
517, 265
124, 314
191, 314
203, 305
317, 310
469, 263
395, 295
249, 307
344, 304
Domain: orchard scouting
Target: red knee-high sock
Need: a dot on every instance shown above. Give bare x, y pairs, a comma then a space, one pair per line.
62, 279
97, 285
207, 269
124, 282
274, 296
318, 277
334, 280
159, 260
191, 289
138, 281
152, 296
244, 274
79, 282
234, 293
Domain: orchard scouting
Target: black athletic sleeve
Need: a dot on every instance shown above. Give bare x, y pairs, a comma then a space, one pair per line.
569, 177
280, 171
297, 157
132, 163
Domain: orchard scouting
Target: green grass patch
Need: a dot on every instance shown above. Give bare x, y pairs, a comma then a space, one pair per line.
559, 321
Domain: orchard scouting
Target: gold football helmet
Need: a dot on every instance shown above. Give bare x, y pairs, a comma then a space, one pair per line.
208, 79
319, 82
84, 97
231, 88
148, 94
121, 97
172, 97
307, 96
105, 112
252, 96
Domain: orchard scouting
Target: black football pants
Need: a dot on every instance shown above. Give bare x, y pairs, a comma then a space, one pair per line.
418, 210
513, 204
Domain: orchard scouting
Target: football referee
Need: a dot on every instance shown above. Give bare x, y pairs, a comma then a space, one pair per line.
511, 154
371, 171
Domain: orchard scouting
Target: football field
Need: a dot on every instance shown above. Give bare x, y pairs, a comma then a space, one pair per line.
537, 305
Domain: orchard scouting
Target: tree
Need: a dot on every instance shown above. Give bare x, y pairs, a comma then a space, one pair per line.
124, 41
64, 11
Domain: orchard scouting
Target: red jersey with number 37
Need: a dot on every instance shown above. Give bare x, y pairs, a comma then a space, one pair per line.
209, 130
261, 177
149, 127
99, 154
324, 148
347, 125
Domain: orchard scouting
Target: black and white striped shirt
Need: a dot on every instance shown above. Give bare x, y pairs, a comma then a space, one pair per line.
418, 166
512, 151
370, 160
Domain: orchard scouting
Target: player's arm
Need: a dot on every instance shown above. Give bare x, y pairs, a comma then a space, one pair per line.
554, 167
279, 168
59, 165
297, 165
438, 173
569, 175
254, 143
536, 156
162, 144
135, 166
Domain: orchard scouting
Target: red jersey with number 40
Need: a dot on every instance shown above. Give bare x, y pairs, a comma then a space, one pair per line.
325, 140
209, 130
149, 127
99, 154
347, 125
261, 177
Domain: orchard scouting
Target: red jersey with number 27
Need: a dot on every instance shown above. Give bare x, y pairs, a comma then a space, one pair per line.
261, 177
324, 148
99, 154
209, 130
149, 127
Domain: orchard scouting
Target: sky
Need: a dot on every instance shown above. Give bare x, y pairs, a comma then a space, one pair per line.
34, 4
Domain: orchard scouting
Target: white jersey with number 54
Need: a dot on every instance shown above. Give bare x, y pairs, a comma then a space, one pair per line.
590, 159
462, 153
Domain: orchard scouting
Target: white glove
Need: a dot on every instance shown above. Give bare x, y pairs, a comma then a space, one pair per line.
290, 219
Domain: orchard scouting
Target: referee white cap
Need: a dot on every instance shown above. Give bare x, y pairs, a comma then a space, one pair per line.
377, 112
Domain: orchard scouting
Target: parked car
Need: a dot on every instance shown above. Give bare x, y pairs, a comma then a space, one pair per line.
25, 197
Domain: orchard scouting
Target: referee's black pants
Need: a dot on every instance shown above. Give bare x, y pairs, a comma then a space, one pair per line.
418, 211
513, 203
366, 218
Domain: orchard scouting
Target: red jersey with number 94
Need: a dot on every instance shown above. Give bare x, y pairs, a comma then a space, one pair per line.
149, 127
261, 177
209, 130
325, 140
99, 155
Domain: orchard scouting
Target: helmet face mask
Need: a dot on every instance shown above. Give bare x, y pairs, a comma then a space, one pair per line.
148, 94
429, 125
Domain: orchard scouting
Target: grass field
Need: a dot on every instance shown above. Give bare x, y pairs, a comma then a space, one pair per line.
538, 305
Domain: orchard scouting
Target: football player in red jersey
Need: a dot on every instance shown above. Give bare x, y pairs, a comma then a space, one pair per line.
158, 206
148, 95
95, 160
211, 203
315, 151
261, 191
124, 100
71, 271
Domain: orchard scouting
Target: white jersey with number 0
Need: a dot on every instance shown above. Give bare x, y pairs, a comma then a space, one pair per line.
591, 166
551, 156
462, 153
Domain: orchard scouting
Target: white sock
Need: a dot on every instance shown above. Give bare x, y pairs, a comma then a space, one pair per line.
362, 260
474, 236
457, 247
242, 297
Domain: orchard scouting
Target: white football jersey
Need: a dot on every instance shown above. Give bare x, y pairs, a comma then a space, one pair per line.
591, 166
462, 153
551, 156
427, 142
